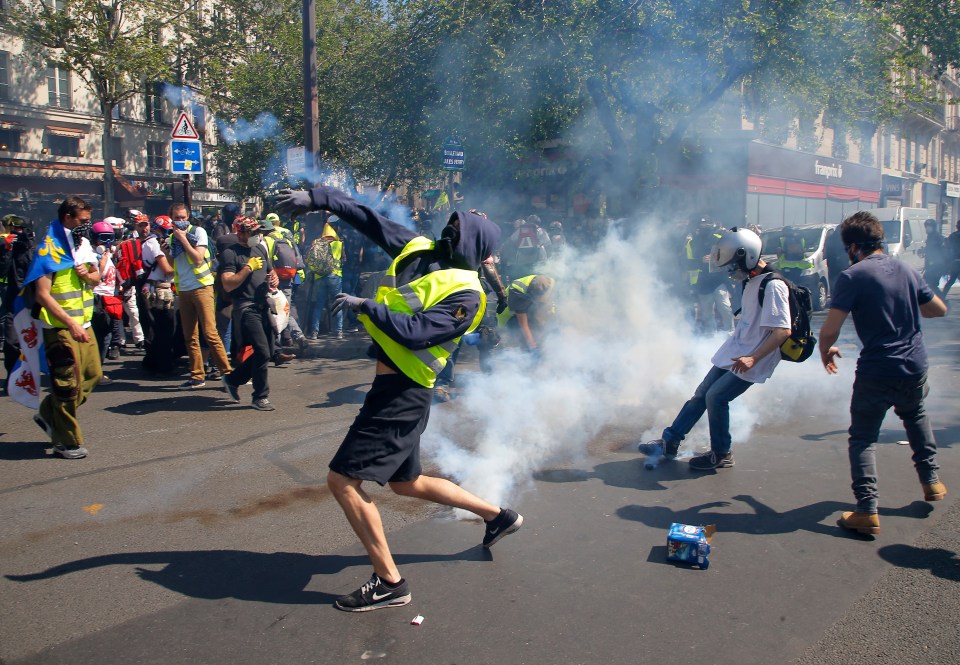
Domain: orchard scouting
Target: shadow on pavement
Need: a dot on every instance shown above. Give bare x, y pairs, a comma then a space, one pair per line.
940, 562
278, 577
354, 394
19, 450
763, 520
183, 401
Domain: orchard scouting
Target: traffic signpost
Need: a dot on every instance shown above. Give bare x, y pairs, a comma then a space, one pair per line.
186, 157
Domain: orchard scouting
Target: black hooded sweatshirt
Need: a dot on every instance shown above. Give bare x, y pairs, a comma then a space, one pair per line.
449, 318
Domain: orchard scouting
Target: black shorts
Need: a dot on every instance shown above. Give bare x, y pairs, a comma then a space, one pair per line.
383, 444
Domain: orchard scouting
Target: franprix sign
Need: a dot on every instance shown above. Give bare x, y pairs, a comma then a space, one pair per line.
453, 159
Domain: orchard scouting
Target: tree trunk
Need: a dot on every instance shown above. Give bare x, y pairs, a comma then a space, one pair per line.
108, 198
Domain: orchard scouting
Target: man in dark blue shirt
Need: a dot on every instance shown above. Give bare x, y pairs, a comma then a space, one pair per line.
887, 298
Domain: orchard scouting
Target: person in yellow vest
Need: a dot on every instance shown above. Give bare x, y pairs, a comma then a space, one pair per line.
429, 297
327, 283
193, 275
65, 297
529, 306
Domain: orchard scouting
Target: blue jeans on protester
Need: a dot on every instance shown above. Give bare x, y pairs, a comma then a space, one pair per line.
324, 290
714, 394
872, 398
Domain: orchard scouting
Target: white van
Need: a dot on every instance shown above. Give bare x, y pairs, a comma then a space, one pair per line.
903, 234
809, 256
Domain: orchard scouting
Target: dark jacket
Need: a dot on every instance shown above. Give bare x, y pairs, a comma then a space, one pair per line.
451, 317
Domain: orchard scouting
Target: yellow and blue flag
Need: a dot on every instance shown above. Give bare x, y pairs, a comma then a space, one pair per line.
51, 255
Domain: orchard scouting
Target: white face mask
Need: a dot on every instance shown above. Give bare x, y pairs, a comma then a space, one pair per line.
253, 241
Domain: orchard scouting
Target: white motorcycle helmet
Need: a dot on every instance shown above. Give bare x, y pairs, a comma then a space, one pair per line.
738, 250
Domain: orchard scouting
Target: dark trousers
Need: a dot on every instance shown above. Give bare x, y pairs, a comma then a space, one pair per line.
872, 398
254, 328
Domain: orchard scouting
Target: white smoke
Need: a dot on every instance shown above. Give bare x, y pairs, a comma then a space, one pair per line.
624, 354
264, 127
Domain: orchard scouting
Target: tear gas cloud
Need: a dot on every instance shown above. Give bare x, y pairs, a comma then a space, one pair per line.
264, 127
622, 354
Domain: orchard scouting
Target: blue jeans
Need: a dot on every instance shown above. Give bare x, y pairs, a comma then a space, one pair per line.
324, 290
872, 398
714, 394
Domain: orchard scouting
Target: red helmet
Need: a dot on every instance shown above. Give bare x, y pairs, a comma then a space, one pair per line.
162, 222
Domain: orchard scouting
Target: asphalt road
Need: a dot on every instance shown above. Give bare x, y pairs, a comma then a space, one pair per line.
202, 532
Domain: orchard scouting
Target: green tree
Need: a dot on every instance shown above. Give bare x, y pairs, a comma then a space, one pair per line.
113, 46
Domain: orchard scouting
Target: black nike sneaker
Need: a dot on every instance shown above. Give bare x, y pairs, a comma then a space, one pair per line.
503, 524
375, 595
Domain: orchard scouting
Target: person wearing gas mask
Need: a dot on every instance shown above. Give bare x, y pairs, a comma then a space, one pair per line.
248, 276
16, 252
748, 356
193, 273
158, 295
65, 297
887, 299
429, 297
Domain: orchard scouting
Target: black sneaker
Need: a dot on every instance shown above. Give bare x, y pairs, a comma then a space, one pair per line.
190, 384
42, 424
231, 390
502, 525
263, 404
659, 448
374, 595
214, 374
711, 460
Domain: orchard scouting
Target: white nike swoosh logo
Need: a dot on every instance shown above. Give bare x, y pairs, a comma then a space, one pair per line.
377, 596
494, 532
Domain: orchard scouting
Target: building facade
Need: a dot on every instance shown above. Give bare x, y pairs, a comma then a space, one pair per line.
51, 142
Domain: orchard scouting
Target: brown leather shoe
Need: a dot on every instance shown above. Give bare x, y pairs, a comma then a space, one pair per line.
934, 491
281, 358
866, 523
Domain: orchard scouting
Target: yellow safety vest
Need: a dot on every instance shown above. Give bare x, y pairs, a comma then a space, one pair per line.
72, 294
203, 270
694, 273
421, 365
520, 286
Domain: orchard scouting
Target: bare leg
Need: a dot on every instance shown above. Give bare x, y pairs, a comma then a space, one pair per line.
446, 493
364, 517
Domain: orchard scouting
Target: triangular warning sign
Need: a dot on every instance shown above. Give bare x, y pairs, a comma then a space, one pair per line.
526, 242
183, 128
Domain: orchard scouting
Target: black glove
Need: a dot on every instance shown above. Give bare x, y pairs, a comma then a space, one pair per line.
295, 202
501, 304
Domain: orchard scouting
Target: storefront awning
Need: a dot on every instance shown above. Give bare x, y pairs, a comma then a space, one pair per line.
809, 190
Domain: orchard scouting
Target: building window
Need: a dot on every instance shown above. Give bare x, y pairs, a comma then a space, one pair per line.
9, 140
4, 74
63, 146
115, 113
116, 150
58, 87
156, 155
154, 103
199, 113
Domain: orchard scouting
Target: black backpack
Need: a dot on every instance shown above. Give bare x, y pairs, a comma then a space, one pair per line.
801, 343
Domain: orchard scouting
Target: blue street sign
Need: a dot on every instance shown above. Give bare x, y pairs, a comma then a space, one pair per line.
453, 155
186, 156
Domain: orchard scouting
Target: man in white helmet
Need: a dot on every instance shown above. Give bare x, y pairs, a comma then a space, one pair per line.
747, 357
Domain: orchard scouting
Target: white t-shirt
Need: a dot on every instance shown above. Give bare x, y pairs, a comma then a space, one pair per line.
150, 250
754, 326
186, 279
108, 278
